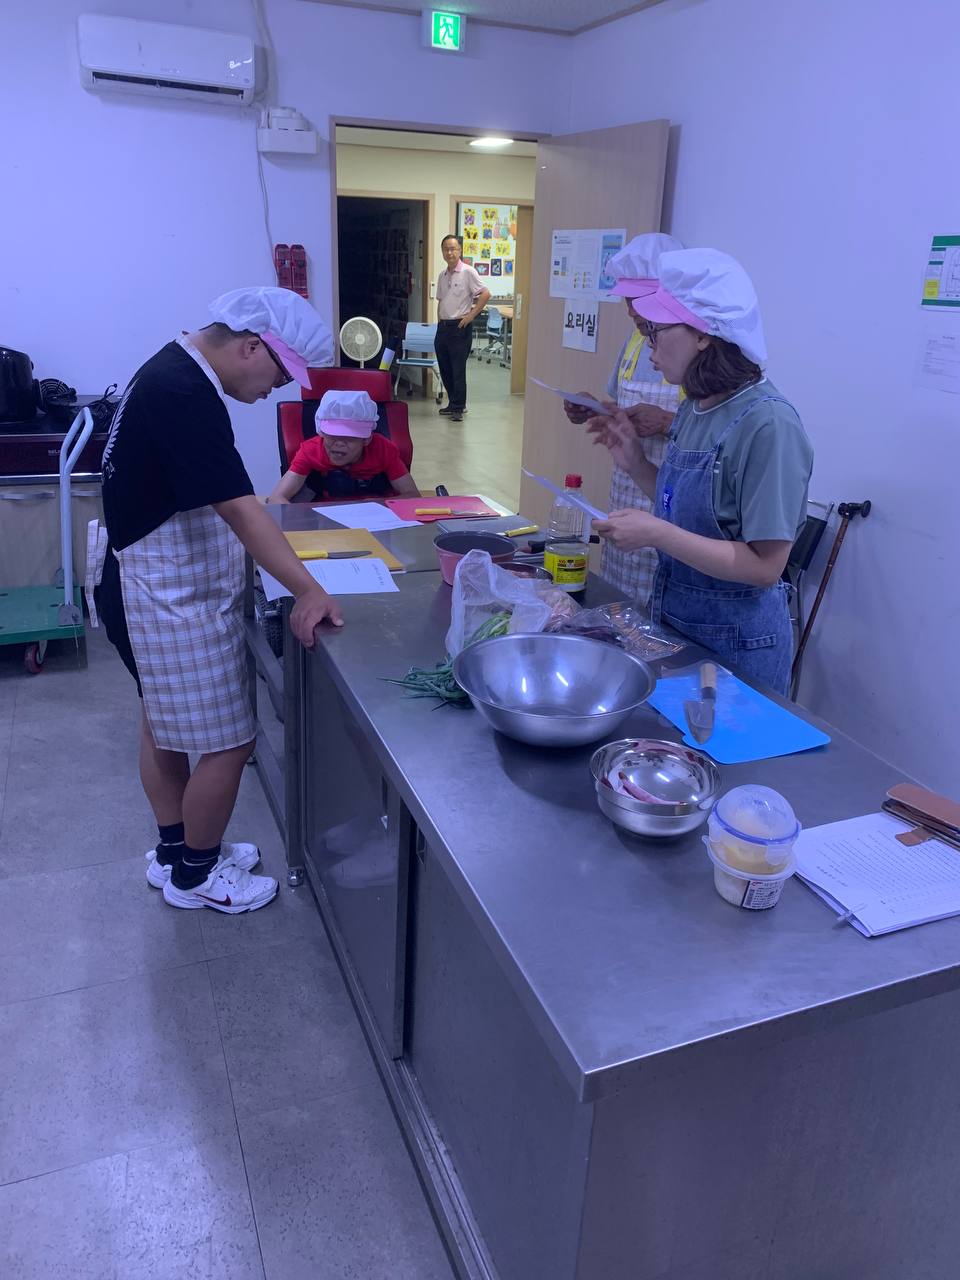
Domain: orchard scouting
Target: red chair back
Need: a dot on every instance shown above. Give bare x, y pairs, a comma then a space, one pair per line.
375, 382
296, 419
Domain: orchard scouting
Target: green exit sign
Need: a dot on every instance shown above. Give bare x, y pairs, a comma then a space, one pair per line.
445, 30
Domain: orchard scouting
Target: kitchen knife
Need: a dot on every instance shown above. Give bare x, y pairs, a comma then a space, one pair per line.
311, 554
701, 714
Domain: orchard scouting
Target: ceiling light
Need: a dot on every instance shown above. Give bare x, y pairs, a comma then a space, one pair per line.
491, 143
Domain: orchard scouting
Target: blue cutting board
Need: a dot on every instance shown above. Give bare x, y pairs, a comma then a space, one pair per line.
748, 725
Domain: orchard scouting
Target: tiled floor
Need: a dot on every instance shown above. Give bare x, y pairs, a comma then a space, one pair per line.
185, 1096
481, 454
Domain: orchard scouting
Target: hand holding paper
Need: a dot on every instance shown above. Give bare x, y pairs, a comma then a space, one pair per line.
577, 398
619, 436
629, 530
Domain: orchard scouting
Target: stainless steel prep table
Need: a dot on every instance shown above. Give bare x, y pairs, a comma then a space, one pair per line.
277, 758
603, 1069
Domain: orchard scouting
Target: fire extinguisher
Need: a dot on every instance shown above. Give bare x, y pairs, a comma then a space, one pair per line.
290, 261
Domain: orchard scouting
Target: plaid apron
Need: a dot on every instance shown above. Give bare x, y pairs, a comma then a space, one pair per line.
183, 599
633, 572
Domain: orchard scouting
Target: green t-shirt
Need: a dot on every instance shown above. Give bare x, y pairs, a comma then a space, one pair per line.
760, 484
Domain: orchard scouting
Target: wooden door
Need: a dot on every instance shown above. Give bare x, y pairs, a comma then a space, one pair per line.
521, 289
605, 178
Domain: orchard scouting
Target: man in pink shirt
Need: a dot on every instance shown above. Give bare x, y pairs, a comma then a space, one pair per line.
461, 296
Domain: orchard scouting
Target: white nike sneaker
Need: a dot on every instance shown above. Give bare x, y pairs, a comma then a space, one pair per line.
227, 888
244, 856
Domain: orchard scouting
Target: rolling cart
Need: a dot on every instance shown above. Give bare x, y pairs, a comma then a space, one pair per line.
33, 616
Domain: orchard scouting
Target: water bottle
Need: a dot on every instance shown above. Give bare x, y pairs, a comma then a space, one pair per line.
566, 520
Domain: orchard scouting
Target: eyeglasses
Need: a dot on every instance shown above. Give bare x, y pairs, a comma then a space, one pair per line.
285, 377
652, 332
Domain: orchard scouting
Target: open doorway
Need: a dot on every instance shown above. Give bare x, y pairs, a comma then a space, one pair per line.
380, 261
387, 179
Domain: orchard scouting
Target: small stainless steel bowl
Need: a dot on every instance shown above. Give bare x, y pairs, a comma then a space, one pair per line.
553, 690
524, 570
685, 783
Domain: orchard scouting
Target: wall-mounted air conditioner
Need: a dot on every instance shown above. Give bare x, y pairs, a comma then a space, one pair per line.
162, 59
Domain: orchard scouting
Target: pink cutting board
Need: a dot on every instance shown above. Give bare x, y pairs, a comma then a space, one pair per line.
405, 507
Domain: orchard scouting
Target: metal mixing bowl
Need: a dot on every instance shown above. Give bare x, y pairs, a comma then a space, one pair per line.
686, 784
553, 690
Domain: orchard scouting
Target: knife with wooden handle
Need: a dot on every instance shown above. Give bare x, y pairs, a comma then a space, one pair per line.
702, 714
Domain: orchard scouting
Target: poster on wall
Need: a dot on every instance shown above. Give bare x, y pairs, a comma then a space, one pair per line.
938, 363
580, 321
578, 263
489, 234
941, 278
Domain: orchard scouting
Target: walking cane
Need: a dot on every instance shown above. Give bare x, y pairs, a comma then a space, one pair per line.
846, 511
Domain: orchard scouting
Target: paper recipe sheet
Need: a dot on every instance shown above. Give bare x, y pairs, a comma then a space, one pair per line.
585, 402
361, 576
571, 498
859, 867
373, 516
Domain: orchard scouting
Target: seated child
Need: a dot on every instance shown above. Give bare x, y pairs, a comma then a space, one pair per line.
346, 458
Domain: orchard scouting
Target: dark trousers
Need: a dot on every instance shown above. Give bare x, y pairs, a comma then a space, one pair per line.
453, 349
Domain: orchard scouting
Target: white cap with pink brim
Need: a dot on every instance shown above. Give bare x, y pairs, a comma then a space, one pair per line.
287, 323
347, 413
709, 291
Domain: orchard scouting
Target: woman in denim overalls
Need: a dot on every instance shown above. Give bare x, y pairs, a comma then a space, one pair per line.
730, 494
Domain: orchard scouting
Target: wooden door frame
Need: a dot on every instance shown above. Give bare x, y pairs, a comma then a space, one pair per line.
406, 126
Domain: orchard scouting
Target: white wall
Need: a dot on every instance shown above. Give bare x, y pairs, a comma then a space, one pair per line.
814, 143
122, 217
497, 179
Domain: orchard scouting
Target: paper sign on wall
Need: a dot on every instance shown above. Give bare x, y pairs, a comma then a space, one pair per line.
941, 279
580, 324
578, 263
938, 365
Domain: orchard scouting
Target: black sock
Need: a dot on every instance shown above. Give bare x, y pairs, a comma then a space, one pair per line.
170, 847
194, 867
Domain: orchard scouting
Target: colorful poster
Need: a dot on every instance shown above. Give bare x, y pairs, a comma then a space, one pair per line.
489, 233
483, 268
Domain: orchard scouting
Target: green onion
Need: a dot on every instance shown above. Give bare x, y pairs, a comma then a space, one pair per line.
420, 682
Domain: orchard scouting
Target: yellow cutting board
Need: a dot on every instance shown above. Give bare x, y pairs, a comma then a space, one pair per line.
342, 540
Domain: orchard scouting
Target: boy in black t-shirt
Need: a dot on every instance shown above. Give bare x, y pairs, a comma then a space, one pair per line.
180, 510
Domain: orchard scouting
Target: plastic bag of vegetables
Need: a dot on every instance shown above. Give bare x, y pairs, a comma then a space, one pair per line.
483, 590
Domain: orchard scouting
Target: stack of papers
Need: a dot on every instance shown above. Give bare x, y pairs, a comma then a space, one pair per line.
868, 877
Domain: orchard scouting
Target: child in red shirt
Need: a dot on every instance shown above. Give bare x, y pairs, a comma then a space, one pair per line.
346, 458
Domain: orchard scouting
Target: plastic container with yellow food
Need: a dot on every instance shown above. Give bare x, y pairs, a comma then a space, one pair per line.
751, 833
